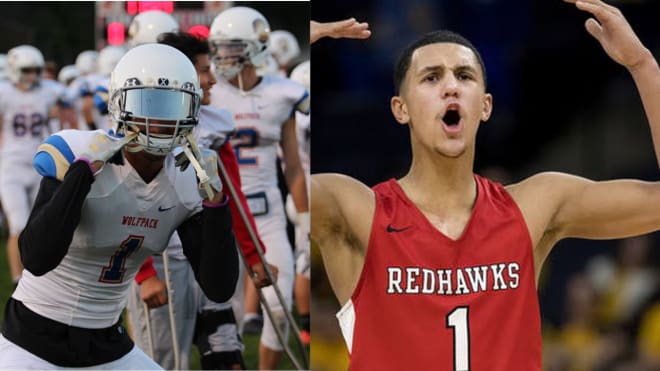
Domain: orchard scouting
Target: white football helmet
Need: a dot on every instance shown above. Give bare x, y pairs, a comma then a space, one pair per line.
3, 67
301, 74
284, 47
154, 91
67, 74
270, 68
108, 58
87, 62
238, 36
21, 58
146, 27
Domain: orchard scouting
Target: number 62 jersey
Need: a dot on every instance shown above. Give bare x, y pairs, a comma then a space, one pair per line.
25, 118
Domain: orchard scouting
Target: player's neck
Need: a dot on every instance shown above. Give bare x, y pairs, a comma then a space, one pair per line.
147, 166
441, 183
24, 88
249, 79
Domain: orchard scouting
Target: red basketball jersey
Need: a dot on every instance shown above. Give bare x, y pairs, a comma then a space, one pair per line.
427, 302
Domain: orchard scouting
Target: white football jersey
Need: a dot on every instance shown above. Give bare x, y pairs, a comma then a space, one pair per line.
123, 222
96, 82
213, 127
25, 118
304, 135
259, 115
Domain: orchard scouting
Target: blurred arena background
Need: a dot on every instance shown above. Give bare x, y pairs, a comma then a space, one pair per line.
61, 30
560, 104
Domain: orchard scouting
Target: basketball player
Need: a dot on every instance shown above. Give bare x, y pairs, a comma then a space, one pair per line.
439, 268
103, 208
263, 109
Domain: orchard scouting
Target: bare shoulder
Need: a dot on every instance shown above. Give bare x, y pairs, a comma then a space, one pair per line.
550, 184
539, 198
341, 204
342, 213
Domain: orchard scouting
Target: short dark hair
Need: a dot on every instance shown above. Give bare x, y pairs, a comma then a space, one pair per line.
188, 44
440, 36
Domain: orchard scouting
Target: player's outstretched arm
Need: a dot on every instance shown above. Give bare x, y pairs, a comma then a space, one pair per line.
613, 32
576, 207
342, 211
348, 28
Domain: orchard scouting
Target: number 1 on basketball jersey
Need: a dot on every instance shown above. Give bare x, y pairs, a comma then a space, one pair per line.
458, 320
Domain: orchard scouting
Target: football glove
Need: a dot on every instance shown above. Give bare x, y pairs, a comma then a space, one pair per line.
102, 147
205, 163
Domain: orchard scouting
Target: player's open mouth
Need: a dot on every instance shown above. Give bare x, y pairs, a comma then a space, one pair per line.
452, 118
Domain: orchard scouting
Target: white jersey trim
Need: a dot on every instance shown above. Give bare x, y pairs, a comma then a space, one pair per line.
346, 317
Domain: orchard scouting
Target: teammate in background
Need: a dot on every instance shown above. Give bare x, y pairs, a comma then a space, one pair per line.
26, 102
442, 264
214, 321
284, 48
4, 75
348, 28
146, 26
67, 74
301, 286
80, 254
87, 64
263, 109
98, 83
50, 70
65, 117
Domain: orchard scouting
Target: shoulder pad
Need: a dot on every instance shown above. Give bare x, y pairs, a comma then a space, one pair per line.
215, 124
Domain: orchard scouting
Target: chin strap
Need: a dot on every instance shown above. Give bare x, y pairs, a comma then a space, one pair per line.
194, 156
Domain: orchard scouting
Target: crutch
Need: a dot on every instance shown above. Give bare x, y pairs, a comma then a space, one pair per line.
150, 340
170, 308
260, 251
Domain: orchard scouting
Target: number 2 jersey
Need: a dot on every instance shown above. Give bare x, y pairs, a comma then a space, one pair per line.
123, 221
425, 301
259, 115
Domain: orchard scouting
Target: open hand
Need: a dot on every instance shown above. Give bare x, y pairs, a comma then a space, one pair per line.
613, 32
348, 28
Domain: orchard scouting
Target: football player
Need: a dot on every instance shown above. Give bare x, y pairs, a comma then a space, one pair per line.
263, 108
105, 204
26, 102
301, 286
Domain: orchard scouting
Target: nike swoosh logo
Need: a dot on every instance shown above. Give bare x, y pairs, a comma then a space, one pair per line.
160, 208
391, 229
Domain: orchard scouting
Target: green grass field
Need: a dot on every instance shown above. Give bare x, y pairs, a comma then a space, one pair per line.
251, 341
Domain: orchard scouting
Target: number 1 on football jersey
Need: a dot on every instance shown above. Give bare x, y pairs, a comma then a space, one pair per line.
114, 272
